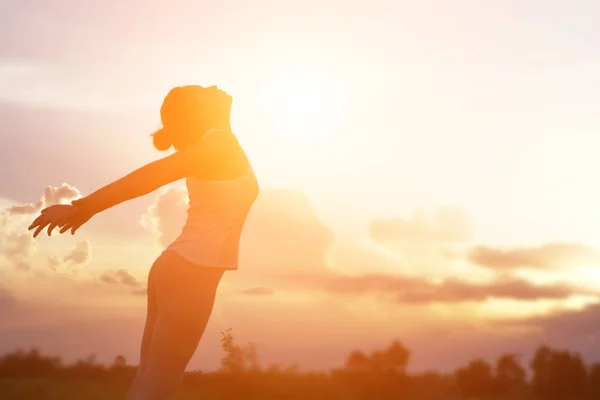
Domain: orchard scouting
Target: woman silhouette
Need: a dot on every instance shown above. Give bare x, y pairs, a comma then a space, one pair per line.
183, 280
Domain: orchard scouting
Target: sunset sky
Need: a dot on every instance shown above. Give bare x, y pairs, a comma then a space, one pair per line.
428, 173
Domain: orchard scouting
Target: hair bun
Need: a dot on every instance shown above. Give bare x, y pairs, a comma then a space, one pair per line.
162, 140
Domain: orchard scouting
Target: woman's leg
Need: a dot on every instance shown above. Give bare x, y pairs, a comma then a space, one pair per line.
151, 314
185, 296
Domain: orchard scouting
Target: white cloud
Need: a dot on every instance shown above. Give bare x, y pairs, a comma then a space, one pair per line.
166, 216
16, 242
79, 254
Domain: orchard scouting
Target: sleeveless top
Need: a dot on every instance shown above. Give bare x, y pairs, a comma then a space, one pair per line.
216, 216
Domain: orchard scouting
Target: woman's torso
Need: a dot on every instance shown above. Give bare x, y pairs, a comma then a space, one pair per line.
216, 216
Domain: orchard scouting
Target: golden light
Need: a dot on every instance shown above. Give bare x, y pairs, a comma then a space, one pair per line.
304, 104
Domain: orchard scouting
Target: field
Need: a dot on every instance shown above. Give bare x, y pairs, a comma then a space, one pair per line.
58, 389
218, 389
52, 389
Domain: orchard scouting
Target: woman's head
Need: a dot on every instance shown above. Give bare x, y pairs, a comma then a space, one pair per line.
189, 111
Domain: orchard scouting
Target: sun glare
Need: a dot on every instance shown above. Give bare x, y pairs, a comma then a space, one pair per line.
303, 104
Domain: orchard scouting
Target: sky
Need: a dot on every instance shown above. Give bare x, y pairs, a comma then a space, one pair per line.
426, 173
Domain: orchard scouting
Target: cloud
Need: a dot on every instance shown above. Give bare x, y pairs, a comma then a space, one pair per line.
122, 277
419, 290
62, 194
8, 301
126, 278
567, 324
455, 290
109, 278
553, 255
286, 245
573, 329
17, 247
140, 292
26, 209
22, 265
52, 195
53, 261
447, 224
258, 291
283, 231
79, 254
16, 243
166, 215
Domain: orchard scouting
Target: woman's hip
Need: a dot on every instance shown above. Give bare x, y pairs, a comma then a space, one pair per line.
172, 274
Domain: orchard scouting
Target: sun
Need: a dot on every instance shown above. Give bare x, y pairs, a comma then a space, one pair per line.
304, 104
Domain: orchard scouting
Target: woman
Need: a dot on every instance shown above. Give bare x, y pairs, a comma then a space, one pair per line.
183, 280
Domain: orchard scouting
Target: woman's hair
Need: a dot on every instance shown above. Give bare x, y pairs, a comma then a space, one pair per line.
187, 112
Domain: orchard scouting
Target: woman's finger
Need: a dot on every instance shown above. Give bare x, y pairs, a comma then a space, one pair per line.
38, 225
75, 228
39, 229
52, 226
48, 209
36, 222
66, 227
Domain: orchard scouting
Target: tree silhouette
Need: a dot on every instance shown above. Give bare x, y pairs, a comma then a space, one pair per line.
510, 376
558, 375
119, 362
358, 361
475, 380
594, 381
30, 363
381, 374
393, 359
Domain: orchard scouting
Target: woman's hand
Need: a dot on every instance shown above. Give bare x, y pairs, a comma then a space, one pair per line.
81, 215
62, 215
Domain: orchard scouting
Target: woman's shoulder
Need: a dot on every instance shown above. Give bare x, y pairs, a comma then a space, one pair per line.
219, 152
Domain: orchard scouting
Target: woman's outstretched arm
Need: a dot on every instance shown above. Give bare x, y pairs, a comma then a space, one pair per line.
160, 173
214, 150
138, 183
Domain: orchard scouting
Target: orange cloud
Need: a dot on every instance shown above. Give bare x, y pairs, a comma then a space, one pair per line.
258, 291
8, 300
445, 225
122, 277
53, 261
419, 290
553, 255
286, 245
79, 254
282, 233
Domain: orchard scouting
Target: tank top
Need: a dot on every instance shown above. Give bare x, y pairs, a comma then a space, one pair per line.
216, 216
